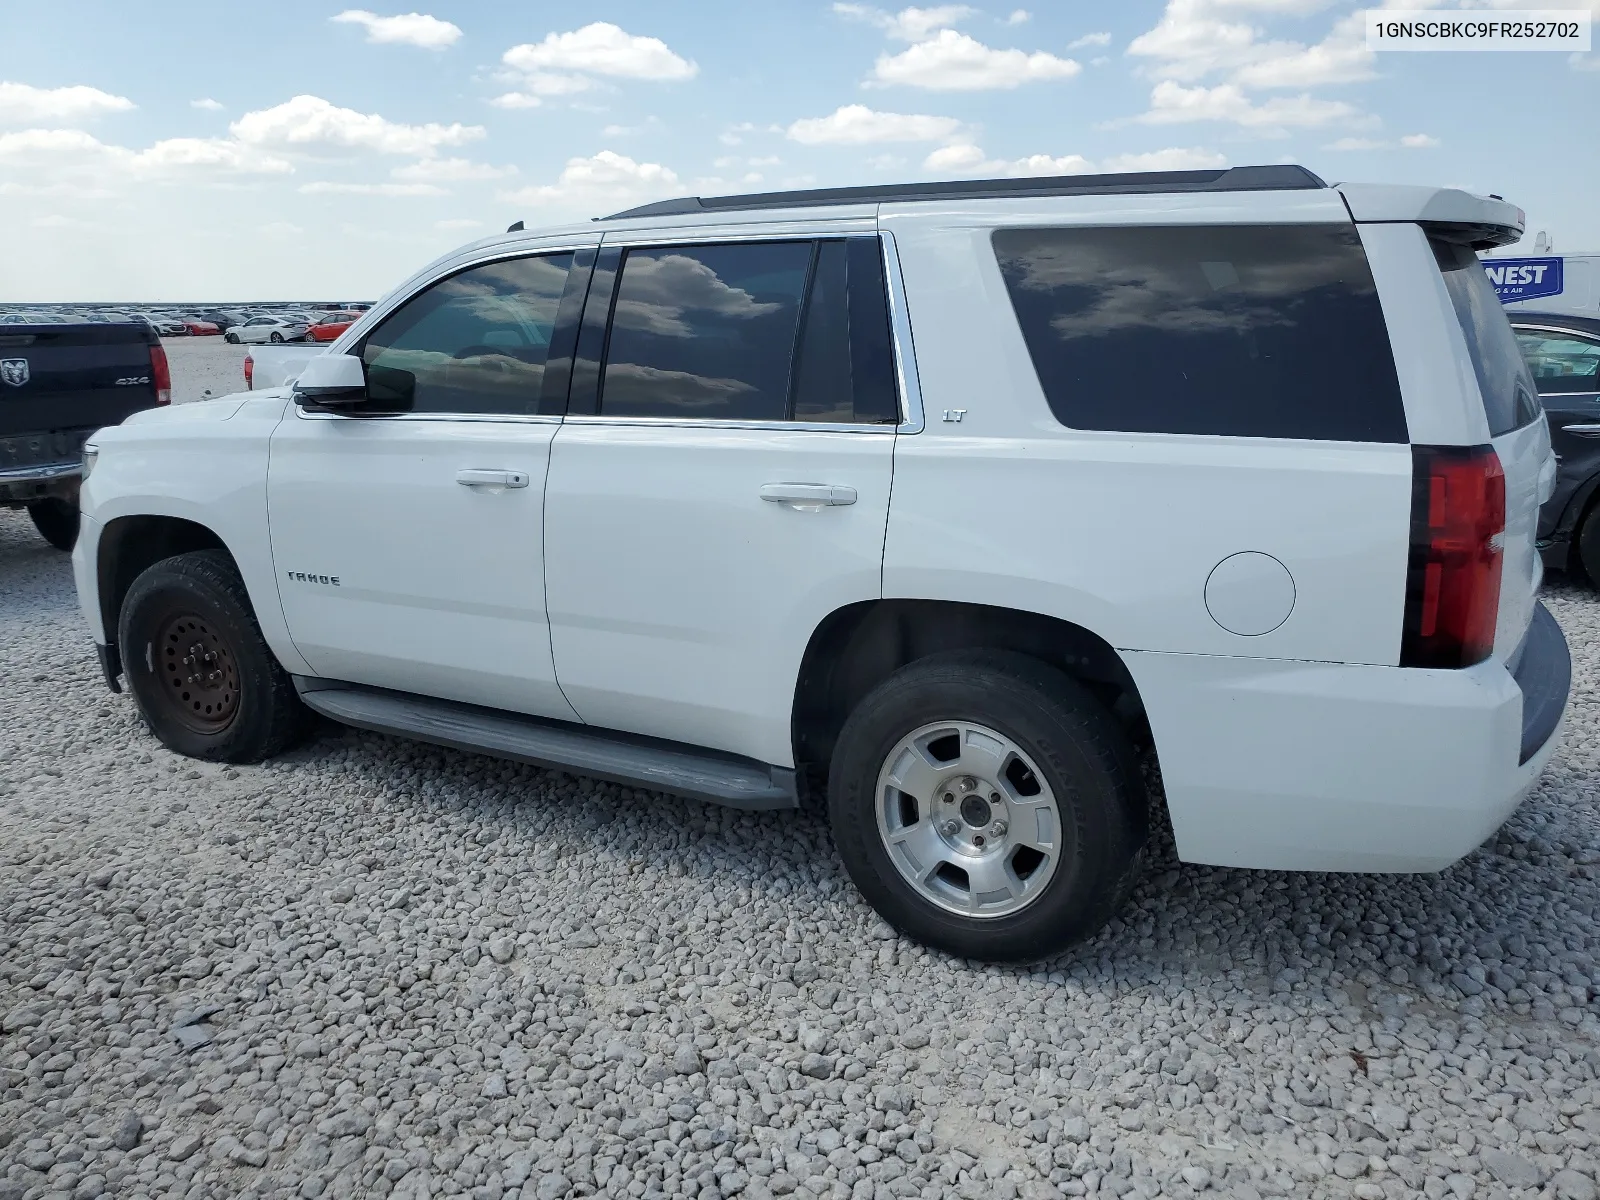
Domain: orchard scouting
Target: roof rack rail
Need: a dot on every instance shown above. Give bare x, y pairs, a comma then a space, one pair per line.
1281, 177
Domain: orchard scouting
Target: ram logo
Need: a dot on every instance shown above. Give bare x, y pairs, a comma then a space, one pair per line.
14, 371
306, 577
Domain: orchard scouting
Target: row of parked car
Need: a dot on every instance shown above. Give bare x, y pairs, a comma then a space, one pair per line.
289, 323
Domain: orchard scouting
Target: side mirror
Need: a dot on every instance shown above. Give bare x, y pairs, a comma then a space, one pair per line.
331, 381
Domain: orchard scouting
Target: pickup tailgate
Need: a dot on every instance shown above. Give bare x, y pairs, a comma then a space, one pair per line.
55, 378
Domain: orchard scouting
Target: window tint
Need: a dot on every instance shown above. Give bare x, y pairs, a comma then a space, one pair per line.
705, 331
1249, 330
473, 343
757, 331
1562, 363
1508, 392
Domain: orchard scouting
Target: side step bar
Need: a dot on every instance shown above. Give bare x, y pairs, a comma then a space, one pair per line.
618, 757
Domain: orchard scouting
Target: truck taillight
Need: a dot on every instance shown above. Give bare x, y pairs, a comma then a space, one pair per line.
1458, 527
249, 372
160, 374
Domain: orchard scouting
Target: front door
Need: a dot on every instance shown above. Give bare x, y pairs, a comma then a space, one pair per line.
408, 538
721, 483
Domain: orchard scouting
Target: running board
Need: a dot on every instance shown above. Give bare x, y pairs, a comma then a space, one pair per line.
619, 757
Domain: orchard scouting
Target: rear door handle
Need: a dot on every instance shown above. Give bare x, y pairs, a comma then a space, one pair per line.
498, 479
808, 495
1582, 430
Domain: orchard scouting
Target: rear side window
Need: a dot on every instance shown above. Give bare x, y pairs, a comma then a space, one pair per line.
1562, 363
755, 331
1242, 330
1509, 396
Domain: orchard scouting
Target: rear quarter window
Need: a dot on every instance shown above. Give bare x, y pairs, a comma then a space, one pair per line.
1240, 330
1509, 395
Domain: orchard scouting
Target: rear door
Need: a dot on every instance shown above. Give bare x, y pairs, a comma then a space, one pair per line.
721, 483
1517, 430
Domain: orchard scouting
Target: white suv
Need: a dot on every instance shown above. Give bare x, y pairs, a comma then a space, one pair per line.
948, 499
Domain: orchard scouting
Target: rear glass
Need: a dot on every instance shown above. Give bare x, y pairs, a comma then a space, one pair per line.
1243, 330
1509, 396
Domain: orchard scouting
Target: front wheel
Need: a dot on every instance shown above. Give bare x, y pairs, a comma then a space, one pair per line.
988, 805
1586, 544
198, 666
57, 521
276, 339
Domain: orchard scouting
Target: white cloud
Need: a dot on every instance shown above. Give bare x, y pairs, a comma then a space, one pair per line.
1172, 103
952, 62
311, 122
966, 158
909, 24
601, 49
1172, 158
886, 162
1019, 16
324, 187
449, 170
606, 179
858, 125
1419, 141
70, 162
208, 104
410, 29
22, 104
458, 223
1411, 141
1585, 62
1090, 39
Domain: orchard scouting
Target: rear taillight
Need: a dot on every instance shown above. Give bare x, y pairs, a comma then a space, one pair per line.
160, 374
249, 373
1458, 527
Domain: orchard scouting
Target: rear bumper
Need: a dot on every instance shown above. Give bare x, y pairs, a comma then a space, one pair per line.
1330, 767
19, 485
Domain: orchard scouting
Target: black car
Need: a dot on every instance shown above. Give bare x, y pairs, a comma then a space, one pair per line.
1564, 353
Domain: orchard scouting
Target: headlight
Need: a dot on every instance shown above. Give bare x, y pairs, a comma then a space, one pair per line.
91, 455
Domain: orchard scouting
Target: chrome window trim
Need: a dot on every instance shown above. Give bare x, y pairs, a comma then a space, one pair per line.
905, 353
725, 423
775, 231
476, 418
1582, 335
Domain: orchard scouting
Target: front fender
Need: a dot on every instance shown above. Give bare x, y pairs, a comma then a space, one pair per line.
207, 469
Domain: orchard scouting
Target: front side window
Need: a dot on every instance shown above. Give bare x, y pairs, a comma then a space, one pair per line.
758, 331
1562, 363
1240, 330
473, 343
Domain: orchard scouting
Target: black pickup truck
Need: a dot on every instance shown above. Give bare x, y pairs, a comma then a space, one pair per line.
58, 384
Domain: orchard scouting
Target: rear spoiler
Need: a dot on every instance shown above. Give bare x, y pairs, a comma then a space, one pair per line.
1451, 215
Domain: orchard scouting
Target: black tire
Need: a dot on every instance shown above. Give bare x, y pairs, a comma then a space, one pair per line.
1086, 760
275, 338
231, 338
57, 521
1585, 553
234, 702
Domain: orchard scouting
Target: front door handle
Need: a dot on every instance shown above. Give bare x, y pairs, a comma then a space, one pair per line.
808, 495
493, 479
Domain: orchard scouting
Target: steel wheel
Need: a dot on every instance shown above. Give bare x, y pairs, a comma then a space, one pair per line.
967, 819
199, 679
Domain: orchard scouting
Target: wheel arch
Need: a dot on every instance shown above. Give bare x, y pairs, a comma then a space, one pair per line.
130, 545
858, 646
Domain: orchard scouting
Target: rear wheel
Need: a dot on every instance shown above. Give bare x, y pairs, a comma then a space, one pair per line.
1587, 545
198, 666
231, 338
57, 521
988, 805
276, 338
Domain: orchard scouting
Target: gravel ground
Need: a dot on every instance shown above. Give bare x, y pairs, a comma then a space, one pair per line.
203, 367
378, 968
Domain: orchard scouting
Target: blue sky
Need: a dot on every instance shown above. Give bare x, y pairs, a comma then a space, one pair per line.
303, 150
